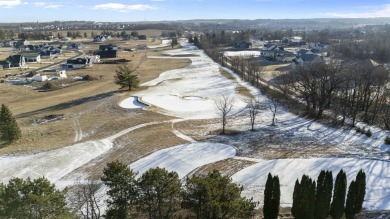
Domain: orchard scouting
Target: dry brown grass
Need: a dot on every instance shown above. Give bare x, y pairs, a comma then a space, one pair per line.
92, 103
239, 88
226, 167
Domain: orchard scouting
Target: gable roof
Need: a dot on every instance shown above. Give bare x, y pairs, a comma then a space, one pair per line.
80, 61
15, 58
30, 55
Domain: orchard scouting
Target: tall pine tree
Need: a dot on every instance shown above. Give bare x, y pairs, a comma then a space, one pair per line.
122, 189
355, 197
337, 206
323, 194
9, 129
304, 198
271, 197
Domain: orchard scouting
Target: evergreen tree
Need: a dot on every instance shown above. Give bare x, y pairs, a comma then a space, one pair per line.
32, 199
215, 196
304, 198
271, 197
125, 77
123, 191
296, 209
9, 129
355, 197
196, 41
323, 194
337, 206
190, 39
159, 193
85, 35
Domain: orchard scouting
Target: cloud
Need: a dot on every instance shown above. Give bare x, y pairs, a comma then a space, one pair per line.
382, 11
9, 3
46, 4
124, 8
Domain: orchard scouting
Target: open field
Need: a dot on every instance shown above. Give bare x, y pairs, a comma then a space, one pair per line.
84, 102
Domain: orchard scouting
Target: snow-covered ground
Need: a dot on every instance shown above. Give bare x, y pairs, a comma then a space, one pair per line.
253, 178
184, 158
242, 53
56, 164
190, 92
132, 103
164, 43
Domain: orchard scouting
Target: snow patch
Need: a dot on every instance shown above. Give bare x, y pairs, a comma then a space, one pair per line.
253, 178
184, 158
132, 103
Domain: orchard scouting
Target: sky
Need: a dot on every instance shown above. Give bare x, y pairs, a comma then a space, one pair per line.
157, 10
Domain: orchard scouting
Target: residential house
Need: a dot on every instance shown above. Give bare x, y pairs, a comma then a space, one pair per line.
304, 52
77, 63
5, 44
15, 61
142, 37
307, 59
20, 44
75, 46
242, 45
285, 56
101, 38
48, 55
268, 50
292, 41
108, 51
32, 57
318, 46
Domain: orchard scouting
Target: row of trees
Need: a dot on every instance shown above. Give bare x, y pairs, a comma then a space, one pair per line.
356, 89
7, 34
311, 200
9, 129
159, 194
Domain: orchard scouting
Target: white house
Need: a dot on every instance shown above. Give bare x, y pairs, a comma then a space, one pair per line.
32, 57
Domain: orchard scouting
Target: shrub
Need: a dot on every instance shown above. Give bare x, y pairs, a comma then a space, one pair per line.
50, 86
368, 133
387, 140
358, 130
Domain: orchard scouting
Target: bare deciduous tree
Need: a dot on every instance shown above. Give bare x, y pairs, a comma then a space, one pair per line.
86, 201
273, 105
254, 107
224, 105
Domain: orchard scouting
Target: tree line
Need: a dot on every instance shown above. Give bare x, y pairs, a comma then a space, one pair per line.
355, 89
158, 194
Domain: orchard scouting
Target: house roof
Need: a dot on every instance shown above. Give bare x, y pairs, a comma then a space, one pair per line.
27, 55
107, 47
308, 57
79, 61
14, 58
